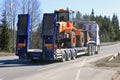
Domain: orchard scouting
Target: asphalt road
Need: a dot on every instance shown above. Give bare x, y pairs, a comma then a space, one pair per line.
80, 69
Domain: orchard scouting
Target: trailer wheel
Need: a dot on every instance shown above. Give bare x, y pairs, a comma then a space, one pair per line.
73, 55
96, 52
63, 59
69, 56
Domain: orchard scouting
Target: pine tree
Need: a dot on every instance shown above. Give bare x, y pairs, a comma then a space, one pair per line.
92, 15
86, 17
78, 16
115, 23
5, 37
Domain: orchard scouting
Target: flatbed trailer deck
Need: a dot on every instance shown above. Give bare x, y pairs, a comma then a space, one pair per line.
35, 54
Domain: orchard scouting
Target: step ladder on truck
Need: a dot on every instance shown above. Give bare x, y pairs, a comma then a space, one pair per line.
61, 39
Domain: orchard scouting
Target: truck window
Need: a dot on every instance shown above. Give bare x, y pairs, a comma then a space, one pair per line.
62, 16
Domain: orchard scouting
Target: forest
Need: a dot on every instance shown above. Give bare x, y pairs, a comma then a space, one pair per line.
109, 27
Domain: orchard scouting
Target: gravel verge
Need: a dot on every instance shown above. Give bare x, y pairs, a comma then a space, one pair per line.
113, 64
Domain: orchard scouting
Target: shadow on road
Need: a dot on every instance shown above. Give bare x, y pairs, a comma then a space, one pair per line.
20, 63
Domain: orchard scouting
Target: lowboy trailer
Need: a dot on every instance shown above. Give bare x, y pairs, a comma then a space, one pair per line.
62, 39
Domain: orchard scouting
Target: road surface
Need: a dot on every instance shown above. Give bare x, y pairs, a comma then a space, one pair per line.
80, 69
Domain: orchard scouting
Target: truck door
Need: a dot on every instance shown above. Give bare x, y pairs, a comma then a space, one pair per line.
48, 36
22, 41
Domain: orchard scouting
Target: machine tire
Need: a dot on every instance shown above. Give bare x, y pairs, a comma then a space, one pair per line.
72, 42
80, 40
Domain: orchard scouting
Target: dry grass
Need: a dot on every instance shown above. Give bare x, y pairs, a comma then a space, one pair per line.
106, 63
115, 63
6, 54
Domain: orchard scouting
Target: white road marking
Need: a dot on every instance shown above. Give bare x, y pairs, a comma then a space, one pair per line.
78, 72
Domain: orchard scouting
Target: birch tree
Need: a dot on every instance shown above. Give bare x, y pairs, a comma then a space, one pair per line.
31, 7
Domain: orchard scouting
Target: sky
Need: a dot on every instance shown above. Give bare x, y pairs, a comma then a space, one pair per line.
101, 7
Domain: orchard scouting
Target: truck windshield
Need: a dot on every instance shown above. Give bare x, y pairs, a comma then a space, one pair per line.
62, 16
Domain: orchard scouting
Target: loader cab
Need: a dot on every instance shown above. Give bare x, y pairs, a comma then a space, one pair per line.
64, 15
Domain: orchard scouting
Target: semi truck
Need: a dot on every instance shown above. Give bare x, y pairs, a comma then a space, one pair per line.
62, 38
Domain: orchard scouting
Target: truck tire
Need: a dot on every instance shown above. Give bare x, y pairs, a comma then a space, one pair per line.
72, 42
97, 50
80, 40
90, 49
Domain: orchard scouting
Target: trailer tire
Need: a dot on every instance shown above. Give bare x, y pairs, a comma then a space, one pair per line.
73, 55
96, 52
69, 56
63, 59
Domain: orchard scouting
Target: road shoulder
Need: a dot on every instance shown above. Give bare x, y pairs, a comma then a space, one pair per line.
114, 64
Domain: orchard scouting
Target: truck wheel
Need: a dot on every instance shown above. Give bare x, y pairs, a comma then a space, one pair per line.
96, 52
94, 48
89, 49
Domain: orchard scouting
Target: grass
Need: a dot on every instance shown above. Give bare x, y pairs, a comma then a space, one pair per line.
106, 63
6, 54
